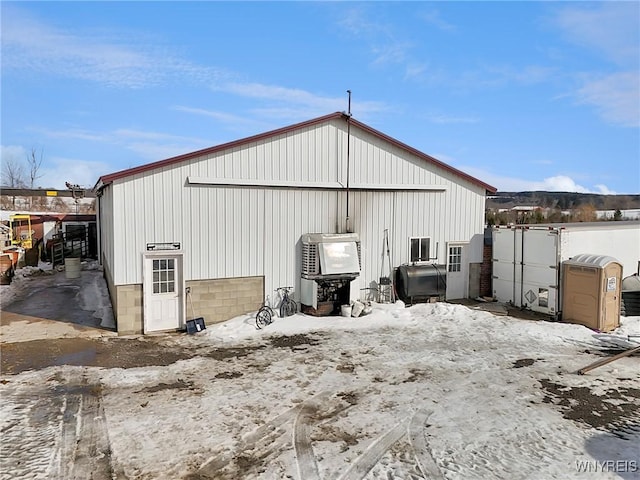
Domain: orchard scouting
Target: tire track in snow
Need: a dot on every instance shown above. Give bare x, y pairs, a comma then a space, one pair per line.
305, 459
248, 441
421, 450
32, 426
84, 449
365, 462
64, 430
66, 447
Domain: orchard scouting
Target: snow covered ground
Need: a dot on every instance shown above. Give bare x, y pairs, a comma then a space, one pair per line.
430, 391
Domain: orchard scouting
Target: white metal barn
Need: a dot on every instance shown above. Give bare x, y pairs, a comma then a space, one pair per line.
219, 229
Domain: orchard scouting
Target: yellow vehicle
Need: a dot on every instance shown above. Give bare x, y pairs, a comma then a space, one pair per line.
20, 230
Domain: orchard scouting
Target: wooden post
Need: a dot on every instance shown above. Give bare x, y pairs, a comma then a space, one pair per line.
604, 361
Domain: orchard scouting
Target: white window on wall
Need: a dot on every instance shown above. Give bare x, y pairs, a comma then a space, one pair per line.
455, 259
419, 249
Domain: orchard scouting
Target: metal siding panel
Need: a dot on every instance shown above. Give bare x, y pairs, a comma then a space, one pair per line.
283, 228
119, 245
372, 212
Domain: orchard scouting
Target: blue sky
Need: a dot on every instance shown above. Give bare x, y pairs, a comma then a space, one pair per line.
522, 95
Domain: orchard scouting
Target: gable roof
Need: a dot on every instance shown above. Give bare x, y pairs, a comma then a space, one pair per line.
109, 178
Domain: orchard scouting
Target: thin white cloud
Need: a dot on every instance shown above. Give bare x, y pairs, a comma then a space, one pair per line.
381, 37
449, 119
153, 151
118, 136
13, 152
153, 146
611, 28
524, 75
59, 170
543, 162
294, 103
283, 94
114, 59
126, 133
72, 134
149, 145
388, 46
357, 22
555, 183
615, 96
391, 53
434, 19
216, 115
415, 70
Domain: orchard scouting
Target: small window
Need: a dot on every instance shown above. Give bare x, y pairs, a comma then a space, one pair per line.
74, 232
455, 259
419, 249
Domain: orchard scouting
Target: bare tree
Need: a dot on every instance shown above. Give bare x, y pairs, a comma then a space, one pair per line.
12, 172
34, 162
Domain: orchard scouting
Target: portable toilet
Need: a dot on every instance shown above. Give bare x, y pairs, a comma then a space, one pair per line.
591, 286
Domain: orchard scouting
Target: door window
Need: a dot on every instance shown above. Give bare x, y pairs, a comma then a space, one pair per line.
164, 271
455, 259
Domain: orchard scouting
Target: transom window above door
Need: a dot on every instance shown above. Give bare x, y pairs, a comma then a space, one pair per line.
164, 271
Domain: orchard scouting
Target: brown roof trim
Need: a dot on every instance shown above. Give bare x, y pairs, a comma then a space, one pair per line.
107, 179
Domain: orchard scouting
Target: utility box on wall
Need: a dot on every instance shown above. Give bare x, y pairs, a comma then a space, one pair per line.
591, 291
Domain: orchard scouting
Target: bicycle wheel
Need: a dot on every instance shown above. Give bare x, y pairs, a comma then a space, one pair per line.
263, 317
288, 308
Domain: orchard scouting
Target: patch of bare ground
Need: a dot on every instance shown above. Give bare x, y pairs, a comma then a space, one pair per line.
616, 411
109, 353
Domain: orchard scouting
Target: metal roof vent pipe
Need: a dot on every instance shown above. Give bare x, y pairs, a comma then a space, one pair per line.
348, 227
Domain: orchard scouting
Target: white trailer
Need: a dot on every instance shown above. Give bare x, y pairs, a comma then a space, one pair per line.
527, 258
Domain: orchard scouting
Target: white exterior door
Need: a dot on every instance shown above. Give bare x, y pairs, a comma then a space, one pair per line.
163, 291
457, 271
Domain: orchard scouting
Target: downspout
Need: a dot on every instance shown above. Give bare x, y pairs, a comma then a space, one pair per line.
559, 289
99, 229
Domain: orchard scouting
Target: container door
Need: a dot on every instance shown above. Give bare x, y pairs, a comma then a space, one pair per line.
503, 264
457, 271
163, 290
539, 271
611, 291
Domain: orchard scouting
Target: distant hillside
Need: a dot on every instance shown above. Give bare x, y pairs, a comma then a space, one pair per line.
563, 200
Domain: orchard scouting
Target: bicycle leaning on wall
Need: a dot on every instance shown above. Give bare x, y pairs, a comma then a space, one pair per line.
287, 307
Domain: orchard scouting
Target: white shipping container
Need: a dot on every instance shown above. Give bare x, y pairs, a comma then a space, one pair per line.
527, 258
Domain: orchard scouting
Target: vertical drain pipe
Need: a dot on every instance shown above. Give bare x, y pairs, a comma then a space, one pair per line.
348, 220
